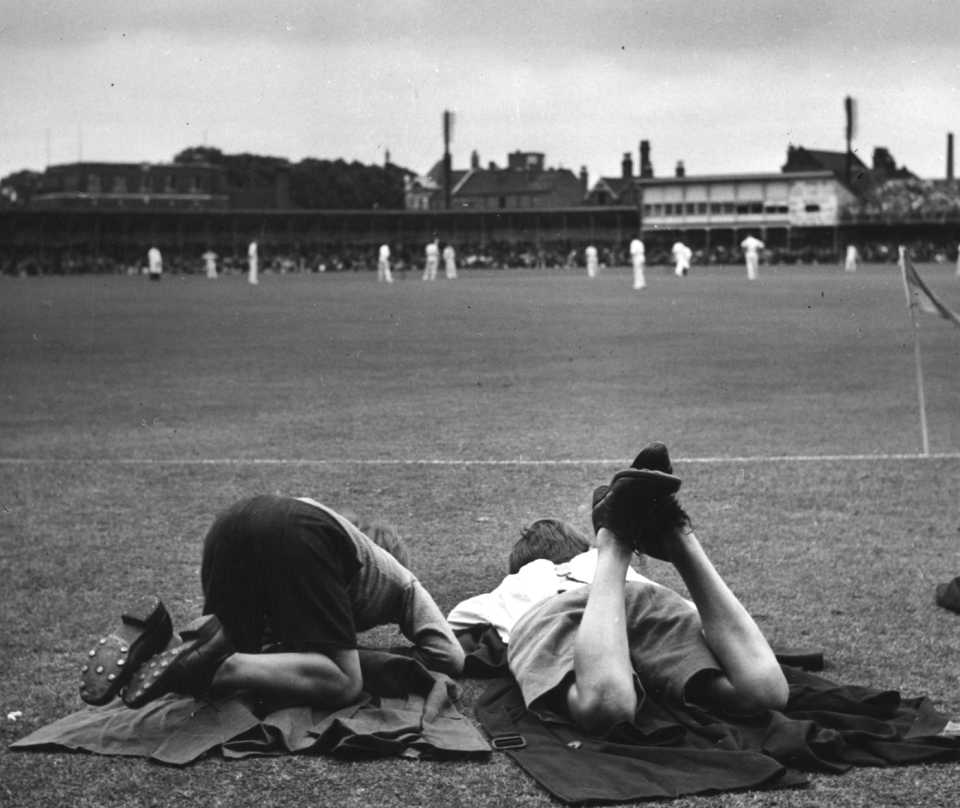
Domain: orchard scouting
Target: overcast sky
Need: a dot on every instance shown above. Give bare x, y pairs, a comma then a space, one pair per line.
724, 86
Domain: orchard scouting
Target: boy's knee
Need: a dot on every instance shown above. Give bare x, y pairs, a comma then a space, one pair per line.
352, 689
347, 691
764, 690
771, 691
333, 685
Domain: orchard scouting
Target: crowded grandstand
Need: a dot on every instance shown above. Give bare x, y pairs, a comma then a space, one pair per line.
331, 216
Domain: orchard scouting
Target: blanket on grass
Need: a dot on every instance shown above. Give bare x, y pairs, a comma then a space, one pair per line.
405, 711
675, 750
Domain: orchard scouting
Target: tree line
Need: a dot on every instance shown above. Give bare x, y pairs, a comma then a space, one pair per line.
315, 184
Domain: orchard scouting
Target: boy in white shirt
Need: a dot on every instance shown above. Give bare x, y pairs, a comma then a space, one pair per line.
592, 652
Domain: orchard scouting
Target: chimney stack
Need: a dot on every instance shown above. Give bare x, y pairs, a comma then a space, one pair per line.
584, 179
646, 167
627, 166
949, 156
680, 171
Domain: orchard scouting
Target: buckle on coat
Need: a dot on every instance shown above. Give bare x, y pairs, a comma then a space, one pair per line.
504, 742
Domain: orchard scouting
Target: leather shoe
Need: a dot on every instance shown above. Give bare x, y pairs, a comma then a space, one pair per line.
187, 667
145, 628
640, 504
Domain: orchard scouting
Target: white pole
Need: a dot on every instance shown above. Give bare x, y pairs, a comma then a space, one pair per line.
922, 400
920, 396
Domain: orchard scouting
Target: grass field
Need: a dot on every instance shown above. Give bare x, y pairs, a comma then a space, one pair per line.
133, 411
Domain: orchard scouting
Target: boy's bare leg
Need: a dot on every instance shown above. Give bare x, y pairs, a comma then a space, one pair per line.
603, 692
753, 678
298, 677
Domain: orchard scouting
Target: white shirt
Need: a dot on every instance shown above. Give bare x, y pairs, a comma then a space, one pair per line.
521, 591
636, 248
433, 251
750, 245
384, 252
252, 250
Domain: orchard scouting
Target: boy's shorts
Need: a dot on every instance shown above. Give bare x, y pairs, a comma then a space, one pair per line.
667, 647
277, 570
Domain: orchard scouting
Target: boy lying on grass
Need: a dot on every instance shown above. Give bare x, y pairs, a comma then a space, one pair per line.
282, 574
592, 652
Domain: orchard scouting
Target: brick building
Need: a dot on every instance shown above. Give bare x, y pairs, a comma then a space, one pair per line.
525, 183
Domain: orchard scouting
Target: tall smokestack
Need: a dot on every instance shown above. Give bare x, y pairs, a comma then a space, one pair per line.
447, 167
850, 107
646, 167
949, 156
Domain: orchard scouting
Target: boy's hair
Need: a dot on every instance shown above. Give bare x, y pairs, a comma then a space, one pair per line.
386, 536
552, 539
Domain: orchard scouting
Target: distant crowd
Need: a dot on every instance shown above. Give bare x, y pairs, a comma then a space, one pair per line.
409, 260
909, 199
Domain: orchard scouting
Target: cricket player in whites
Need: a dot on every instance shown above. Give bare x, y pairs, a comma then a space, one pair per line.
751, 247
154, 264
450, 262
852, 261
253, 264
593, 262
638, 258
432, 253
210, 263
681, 257
383, 264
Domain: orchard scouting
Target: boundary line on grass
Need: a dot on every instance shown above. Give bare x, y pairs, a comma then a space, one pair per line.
354, 461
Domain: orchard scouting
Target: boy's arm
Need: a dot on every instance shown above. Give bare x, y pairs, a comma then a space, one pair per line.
424, 625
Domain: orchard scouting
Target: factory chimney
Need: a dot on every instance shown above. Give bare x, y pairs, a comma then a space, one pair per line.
646, 167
